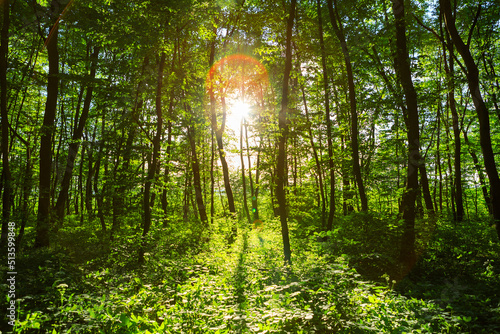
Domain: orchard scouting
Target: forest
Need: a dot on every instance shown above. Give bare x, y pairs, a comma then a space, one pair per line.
250, 166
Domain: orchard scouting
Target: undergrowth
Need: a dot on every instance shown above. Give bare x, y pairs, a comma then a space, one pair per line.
198, 282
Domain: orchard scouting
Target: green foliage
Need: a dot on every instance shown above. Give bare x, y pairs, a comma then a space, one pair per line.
210, 286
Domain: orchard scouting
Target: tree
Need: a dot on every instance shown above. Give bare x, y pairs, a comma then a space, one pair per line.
339, 32
328, 121
75, 140
6, 174
481, 109
47, 130
219, 132
449, 66
407, 254
196, 174
283, 128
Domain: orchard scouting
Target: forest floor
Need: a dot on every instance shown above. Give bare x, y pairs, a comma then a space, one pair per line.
239, 285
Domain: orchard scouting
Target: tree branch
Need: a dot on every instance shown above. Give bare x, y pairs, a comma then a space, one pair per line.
471, 31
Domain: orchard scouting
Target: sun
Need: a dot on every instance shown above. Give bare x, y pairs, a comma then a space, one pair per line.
239, 110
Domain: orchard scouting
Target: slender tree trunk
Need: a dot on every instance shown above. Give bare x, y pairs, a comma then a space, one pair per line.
438, 157
481, 110
26, 187
479, 170
449, 66
212, 178
196, 176
222, 155
122, 172
80, 185
166, 178
424, 181
99, 193
328, 121
220, 132
74, 145
153, 163
90, 175
283, 127
253, 190
243, 178
7, 178
42, 238
334, 17
407, 255
316, 160
164, 197
489, 68
346, 182
423, 172
185, 201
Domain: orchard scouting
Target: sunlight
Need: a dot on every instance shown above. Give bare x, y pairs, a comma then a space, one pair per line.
238, 111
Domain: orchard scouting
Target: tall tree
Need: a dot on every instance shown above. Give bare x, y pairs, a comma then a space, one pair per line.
51, 44
328, 121
153, 163
339, 32
196, 174
243, 178
219, 132
449, 66
407, 254
6, 174
283, 128
481, 109
319, 170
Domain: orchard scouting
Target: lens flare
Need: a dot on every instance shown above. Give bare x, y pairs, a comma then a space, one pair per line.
237, 75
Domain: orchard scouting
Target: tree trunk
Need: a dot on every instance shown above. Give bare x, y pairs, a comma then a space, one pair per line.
122, 172
316, 160
449, 66
42, 238
352, 100
80, 187
90, 175
439, 171
479, 170
243, 178
75, 143
196, 175
346, 182
489, 68
253, 189
407, 254
7, 178
100, 193
222, 155
26, 187
328, 121
212, 177
153, 163
481, 110
164, 197
283, 128
424, 181
220, 132
166, 178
